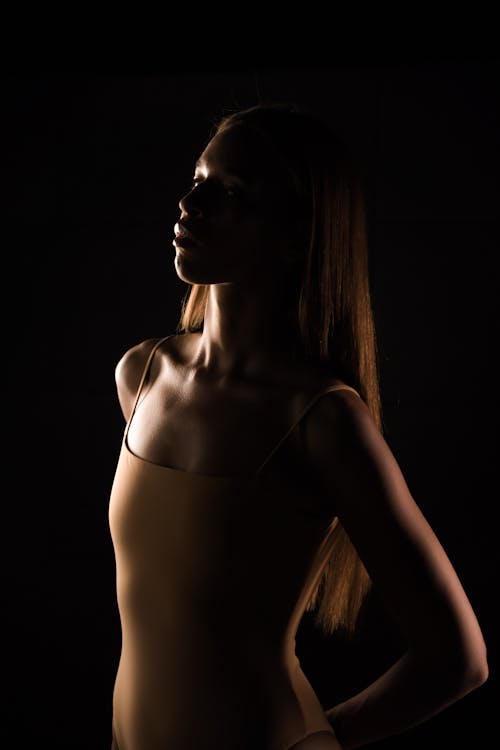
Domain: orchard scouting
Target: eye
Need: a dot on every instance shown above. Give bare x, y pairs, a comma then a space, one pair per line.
231, 191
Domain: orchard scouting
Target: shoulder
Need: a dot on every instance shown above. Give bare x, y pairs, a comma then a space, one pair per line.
131, 364
129, 370
336, 413
341, 435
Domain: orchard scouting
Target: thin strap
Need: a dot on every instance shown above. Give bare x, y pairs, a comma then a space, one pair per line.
144, 373
302, 414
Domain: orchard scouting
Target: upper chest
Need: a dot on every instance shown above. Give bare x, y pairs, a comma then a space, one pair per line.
228, 430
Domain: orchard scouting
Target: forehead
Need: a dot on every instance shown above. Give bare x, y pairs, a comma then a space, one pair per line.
242, 153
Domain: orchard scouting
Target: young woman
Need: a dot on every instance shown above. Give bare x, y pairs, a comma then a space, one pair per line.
254, 482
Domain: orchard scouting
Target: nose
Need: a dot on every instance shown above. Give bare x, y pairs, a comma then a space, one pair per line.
190, 203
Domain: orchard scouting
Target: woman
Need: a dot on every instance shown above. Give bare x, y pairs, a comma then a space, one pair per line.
254, 482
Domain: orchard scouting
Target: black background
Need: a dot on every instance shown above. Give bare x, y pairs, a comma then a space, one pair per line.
93, 168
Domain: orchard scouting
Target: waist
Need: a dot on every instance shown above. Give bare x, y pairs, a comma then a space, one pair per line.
172, 621
179, 647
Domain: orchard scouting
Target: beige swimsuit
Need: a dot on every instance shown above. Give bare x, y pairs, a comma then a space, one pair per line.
213, 574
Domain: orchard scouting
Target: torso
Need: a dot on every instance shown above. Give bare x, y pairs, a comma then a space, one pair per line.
199, 561
201, 427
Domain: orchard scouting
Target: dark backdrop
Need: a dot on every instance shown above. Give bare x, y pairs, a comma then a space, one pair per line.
93, 170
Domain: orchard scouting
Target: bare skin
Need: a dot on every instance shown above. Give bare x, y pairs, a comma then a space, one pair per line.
220, 400
227, 429
217, 401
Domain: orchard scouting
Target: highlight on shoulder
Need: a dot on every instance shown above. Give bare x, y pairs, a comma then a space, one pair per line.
128, 372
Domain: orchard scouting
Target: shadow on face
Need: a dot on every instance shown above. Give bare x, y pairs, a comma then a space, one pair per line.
240, 213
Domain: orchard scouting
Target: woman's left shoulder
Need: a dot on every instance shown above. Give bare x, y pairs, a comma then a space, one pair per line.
339, 400
340, 423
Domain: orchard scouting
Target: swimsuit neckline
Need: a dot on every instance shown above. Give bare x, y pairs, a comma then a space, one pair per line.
196, 474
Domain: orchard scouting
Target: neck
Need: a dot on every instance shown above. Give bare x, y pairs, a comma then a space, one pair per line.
245, 334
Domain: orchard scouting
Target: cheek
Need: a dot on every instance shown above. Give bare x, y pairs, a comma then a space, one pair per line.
241, 231
253, 244
247, 237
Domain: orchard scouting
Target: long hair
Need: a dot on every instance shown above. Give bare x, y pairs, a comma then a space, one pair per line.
331, 305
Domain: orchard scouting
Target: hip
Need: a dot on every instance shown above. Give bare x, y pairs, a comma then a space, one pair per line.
155, 709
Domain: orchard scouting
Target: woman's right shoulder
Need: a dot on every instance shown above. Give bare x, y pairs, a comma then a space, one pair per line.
132, 362
129, 370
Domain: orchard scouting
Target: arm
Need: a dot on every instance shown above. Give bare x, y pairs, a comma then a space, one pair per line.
446, 655
128, 373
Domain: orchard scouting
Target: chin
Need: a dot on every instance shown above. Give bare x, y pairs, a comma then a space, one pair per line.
192, 270
191, 275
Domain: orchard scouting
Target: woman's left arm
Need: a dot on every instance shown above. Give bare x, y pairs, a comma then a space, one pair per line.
446, 655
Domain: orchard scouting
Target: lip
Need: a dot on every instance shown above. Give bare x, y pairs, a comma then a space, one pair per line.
181, 242
184, 236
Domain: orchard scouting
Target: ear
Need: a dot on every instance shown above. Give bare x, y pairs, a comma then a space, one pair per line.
296, 241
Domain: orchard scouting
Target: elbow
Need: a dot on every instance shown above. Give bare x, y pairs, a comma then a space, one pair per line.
468, 672
458, 680
476, 667
477, 673
456, 671
471, 677
462, 656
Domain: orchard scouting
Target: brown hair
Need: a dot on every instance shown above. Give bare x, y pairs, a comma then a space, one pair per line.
332, 310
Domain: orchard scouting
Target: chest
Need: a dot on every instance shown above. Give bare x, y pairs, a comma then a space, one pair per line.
220, 432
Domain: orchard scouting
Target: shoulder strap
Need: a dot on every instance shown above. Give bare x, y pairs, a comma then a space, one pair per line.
302, 414
143, 377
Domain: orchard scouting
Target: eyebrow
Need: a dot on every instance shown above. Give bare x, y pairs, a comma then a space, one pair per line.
244, 176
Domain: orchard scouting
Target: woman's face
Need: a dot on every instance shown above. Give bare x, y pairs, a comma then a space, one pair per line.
237, 220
